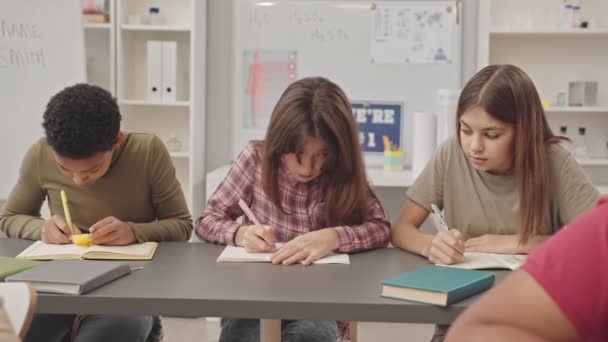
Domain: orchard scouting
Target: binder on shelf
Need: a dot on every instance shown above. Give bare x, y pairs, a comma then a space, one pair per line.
169, 71
154, 70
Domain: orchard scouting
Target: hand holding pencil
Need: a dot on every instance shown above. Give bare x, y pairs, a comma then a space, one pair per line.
256, 238
447, 246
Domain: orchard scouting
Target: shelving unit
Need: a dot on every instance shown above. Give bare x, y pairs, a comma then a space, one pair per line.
100, 50
184, 22
548, 32
531, 35
567, 109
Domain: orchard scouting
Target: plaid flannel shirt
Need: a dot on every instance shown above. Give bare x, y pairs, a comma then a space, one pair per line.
302, 201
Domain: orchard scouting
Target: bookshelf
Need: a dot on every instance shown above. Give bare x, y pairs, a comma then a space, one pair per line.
100, 51
117, 60
533, 35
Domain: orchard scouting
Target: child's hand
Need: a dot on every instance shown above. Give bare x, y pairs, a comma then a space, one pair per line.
493, 243
255, 239
307, 248
111, 231
446, 248
56, 231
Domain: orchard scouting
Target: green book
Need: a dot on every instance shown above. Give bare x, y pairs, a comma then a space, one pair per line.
437, 285
9, 266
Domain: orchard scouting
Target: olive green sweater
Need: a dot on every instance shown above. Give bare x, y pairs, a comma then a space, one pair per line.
139, 188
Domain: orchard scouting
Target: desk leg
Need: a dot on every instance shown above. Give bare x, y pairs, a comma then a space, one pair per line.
270, 330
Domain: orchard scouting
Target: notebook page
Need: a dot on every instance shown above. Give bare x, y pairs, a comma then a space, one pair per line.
239, 254
43, 251
474, 260
138, 249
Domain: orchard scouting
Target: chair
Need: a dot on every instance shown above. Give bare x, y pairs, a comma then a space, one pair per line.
19, 303
352, 330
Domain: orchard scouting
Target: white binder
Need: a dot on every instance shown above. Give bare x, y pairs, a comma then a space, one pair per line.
169, 71
154, 87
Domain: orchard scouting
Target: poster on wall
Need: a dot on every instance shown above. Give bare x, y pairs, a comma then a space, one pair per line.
379, 122
415, 32
267, 73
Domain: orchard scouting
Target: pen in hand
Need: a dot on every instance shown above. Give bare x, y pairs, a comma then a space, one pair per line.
438, 219
250, 215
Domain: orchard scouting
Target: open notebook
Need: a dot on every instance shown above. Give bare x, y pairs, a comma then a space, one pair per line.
239, 254
477, 261
44, 251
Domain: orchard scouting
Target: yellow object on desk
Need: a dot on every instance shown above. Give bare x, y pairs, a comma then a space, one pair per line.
82, 240
77, 239
393, 160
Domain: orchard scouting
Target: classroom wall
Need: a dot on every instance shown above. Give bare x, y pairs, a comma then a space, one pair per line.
220, 54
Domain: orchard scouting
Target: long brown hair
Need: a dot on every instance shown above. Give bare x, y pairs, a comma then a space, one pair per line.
507, 93
316, 107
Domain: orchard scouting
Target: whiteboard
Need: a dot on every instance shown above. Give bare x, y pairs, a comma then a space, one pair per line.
41, 52
341, 40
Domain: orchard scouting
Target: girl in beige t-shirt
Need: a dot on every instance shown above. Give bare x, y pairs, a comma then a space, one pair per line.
504, 182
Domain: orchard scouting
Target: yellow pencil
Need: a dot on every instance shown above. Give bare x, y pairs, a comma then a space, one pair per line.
387, 144
66, 211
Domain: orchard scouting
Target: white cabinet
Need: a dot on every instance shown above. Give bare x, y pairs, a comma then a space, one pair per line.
179, 120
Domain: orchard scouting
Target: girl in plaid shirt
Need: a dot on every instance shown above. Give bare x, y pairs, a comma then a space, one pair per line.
306, 183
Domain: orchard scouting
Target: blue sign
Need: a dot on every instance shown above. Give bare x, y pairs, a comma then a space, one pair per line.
378, 119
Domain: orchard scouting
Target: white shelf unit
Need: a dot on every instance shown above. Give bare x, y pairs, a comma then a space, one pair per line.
568, 109
549, 32
155, 28
100, 52
184, 22
148, 103
593, 161
529, 34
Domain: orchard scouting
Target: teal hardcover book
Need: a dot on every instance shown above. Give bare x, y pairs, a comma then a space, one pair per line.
437, 285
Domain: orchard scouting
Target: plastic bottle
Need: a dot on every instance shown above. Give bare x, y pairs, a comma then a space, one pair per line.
576, 16
563, 131
566, 21
581, 149
154, 16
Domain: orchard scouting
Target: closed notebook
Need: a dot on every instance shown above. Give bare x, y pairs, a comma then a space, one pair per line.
239, 254
437, 285
71, 276
478, 261
9, 266
44, 251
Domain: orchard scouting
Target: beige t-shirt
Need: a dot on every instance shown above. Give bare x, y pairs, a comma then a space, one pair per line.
477, 203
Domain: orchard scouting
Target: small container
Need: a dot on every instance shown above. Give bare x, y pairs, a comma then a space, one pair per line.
154, 16
582, 93
173, 144
393, 160
560, 100
134, 19
581, 149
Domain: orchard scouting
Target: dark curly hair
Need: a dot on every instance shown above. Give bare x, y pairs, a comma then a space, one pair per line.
81, 120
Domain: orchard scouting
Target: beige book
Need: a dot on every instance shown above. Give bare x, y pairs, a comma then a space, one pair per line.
478, 261
239, 254
44, 251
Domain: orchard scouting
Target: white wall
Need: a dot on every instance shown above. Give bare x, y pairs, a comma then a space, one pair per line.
219, 83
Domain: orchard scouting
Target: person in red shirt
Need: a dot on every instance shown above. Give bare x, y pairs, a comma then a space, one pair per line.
560, 294
306, 184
